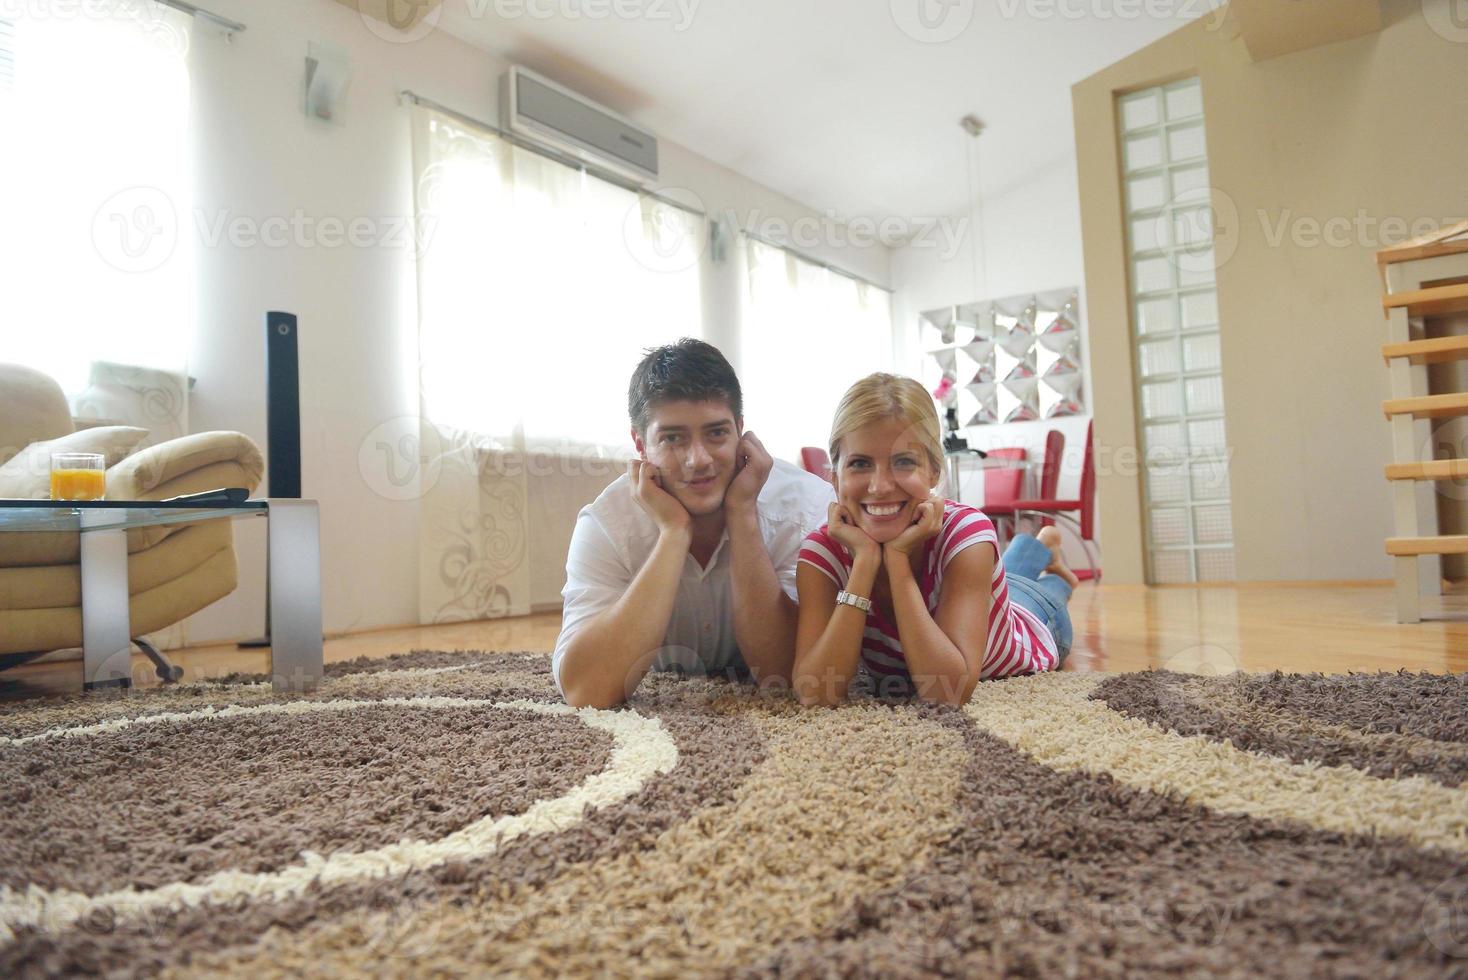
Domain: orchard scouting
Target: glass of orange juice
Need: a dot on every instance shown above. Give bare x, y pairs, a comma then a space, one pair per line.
78, 476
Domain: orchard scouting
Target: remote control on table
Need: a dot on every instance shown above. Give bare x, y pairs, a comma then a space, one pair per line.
223, 495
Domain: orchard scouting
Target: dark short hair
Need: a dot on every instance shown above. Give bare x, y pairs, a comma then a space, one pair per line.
689, 370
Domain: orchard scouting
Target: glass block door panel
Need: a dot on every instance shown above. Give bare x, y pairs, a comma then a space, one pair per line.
1189, 523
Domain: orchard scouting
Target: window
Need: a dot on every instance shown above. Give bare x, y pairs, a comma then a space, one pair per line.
94, 187
539, 289
1176, 334
809, 333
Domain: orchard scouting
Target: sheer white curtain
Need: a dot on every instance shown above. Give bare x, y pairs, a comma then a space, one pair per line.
95, 203
808, 334
539, 289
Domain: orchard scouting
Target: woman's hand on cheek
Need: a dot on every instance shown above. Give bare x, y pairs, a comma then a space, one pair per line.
842, 526
928, 523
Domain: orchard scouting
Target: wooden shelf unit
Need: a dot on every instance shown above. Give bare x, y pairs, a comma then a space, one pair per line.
1423, 278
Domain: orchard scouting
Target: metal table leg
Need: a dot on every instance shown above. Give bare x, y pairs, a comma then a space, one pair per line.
106, 645
295, 594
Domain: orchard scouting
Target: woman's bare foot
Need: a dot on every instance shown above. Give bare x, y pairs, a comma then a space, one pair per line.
1050, 538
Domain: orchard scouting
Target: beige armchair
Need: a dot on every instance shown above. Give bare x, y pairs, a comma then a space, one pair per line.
173, 570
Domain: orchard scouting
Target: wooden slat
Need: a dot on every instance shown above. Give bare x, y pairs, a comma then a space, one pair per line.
1436, 469
1425, 252
1434, 350
1428, 406
1447, 544
1435, 301
1426, 246
1438, 350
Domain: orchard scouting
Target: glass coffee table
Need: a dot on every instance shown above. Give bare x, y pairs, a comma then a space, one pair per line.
294, 575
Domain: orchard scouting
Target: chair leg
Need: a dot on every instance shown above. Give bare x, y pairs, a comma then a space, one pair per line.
1086, 546
167, 672
1004, 529
1074, 527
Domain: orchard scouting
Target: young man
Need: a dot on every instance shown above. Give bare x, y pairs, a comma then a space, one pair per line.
688, 561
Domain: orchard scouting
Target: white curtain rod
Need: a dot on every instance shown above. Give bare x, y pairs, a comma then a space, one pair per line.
806, 257
408, 95
232, 26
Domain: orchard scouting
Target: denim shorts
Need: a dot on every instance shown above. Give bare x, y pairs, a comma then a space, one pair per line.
1047, 596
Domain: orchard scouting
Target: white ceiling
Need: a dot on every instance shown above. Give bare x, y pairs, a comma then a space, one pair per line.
832, 102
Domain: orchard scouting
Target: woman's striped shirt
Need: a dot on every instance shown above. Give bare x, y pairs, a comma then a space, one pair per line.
1018, 643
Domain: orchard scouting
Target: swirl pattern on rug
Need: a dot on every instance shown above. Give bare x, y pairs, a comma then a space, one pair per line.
1063, 824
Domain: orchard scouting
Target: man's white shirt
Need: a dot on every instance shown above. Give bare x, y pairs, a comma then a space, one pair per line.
614, 537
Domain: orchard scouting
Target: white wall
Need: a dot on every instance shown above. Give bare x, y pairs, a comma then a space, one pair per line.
1028, 239
261, 158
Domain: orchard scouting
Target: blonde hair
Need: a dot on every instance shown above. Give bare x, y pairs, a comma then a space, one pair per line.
889, 396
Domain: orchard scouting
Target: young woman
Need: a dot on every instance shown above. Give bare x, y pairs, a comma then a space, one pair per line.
907, 586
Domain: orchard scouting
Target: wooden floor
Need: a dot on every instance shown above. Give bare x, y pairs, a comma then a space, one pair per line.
1214, 629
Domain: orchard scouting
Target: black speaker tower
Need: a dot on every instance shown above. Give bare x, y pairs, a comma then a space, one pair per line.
283, 404
282, 421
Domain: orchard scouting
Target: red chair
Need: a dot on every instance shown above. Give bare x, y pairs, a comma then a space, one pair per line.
1083, 524
1002, 487
1050, 473
814, 460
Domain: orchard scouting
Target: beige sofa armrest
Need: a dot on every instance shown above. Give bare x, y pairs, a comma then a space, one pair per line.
147, 474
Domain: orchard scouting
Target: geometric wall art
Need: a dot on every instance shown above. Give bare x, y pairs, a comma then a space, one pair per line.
1008, 360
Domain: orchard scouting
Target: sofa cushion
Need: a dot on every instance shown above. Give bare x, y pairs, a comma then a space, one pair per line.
28, 473
148, 475
25, 630
60, 586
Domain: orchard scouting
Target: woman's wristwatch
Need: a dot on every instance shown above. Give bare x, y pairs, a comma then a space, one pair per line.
852, 599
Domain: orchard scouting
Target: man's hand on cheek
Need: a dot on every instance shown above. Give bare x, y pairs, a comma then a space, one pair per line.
647, 489
751, 469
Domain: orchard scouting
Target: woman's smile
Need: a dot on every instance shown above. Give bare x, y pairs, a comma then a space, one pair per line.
882, 513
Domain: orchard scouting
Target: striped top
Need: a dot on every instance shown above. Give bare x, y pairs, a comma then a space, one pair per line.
1019, 642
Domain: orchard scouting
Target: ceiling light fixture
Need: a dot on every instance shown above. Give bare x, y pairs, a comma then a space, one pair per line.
973, 127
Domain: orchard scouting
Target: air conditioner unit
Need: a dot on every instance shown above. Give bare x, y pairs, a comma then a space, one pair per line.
538, 110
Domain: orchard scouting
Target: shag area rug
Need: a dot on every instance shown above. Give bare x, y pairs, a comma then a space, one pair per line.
445, 814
